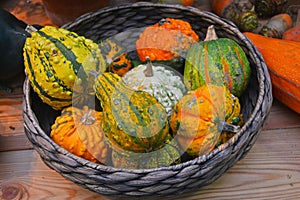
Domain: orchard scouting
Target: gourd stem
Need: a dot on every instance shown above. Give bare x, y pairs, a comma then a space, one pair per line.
211, 34
149, 69
87, 119
30, 29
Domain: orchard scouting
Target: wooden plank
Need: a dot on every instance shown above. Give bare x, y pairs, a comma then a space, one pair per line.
13, 143
282, 117
25, 175
269, 171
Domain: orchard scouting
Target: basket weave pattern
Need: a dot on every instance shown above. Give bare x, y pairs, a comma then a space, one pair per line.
185, 177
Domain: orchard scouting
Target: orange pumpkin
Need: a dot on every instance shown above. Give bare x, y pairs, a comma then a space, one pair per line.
283, 61
79, 131
167, 39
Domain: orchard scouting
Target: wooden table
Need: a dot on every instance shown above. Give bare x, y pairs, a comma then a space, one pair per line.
271, 170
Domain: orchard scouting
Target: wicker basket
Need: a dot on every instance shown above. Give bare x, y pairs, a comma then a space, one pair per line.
181, 178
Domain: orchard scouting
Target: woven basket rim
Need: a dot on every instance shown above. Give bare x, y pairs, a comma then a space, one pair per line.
200, 159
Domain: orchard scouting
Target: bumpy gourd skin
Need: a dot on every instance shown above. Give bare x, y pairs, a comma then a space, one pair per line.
132, 120
233, 109
79, 131
56, 59
197, 115
167, 39
233, 116
194, 120
164, 84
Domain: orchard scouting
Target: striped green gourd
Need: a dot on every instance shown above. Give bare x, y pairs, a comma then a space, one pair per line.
133, 120
217, 61
57, 62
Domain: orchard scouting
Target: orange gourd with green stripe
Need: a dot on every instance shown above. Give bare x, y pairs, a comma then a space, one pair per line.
219, 61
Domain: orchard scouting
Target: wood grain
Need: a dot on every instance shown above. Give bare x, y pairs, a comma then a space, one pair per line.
269, 171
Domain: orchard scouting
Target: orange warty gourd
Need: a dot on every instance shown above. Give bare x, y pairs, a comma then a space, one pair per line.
79, 131
167, 39
283, 61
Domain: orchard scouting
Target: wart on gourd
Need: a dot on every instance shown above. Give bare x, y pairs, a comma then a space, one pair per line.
51, 49
161, 81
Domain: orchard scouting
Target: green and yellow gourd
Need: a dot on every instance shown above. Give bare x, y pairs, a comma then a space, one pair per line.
169, 154
133, 120
219, 61
57, 60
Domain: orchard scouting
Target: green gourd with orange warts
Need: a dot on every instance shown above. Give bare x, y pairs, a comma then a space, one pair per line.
219, 61
133, 120
56, 60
